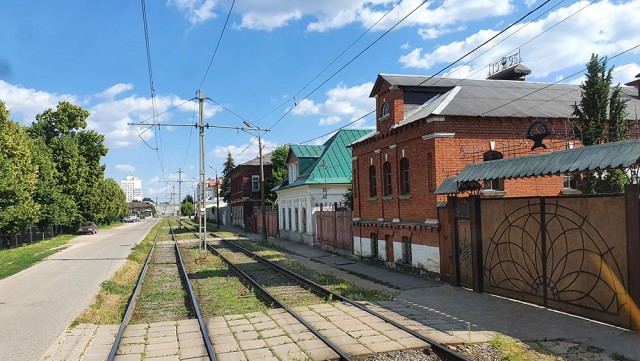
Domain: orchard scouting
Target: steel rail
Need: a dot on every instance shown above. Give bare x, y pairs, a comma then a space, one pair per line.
343, 356
444, 351
194, 302
132, 301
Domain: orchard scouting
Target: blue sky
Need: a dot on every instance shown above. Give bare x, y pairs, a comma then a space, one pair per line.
92, 53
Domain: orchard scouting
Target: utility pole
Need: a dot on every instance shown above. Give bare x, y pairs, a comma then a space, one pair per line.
203, 191
262, 206
217, 200
180, 197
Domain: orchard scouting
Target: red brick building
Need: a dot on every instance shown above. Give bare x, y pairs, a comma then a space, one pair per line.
427, 130
245, 188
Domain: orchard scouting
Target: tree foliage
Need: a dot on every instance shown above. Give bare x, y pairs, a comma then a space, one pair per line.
225, 189
187, 208
188, 199
51, 175
18, 175
601, 118
278, 172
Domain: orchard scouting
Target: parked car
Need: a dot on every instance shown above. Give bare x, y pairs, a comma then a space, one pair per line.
130, 219
88, 227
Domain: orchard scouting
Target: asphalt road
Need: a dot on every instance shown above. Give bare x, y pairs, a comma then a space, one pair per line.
37, 304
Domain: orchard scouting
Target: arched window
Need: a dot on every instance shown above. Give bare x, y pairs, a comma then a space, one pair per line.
296, 220
389, 245
404, 176
289, 218
374, 245
493, 184
406, 250
304, 220
386, 110
373, 189
386, 179
283, 222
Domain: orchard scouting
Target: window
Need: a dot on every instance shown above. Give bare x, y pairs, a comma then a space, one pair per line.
255, 182
404, 176
374, 245
284, 219
570, 181
493, 184
293, 172
304, 220
386, 110
296, 223
406, 250
431, 173
386, 179
373, 190
289, 218
389, 245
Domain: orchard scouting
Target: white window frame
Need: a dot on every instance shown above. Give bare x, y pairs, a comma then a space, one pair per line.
255, 183
293, 172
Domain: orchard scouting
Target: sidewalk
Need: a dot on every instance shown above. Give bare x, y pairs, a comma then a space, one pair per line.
457, 309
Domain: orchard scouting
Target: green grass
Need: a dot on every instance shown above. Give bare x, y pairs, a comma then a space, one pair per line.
15, 260
109, 226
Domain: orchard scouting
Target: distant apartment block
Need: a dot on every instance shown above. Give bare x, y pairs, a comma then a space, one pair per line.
132, 187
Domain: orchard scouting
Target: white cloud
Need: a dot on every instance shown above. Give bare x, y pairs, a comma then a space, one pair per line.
306, 106
125, 168
342, 103
109, 116
240, 153
197, 11
581, 35
26, 103
117, 89
334, 14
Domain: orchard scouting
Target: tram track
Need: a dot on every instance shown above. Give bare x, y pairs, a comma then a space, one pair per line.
164, 262
293, 293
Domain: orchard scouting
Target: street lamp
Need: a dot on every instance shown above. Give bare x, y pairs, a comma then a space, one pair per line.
264, 214
217, 197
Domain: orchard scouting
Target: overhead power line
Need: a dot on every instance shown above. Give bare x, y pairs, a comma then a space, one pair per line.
351, 61
217, 45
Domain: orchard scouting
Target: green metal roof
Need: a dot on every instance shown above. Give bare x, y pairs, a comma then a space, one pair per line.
331, 165
621, 154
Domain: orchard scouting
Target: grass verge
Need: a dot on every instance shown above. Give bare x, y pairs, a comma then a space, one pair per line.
15, 260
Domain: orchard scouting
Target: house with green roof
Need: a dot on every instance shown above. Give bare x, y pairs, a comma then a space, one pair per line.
318, 175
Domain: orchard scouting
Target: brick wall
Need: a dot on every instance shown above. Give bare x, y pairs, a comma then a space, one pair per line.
242, 193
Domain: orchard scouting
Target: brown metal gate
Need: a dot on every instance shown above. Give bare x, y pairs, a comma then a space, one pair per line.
462, 231
566, 253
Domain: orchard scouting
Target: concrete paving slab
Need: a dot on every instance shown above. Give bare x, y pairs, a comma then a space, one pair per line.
232, 356
162, 352
191, 352
162, 346
258, 354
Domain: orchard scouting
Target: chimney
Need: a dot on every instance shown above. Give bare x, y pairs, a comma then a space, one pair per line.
635, 83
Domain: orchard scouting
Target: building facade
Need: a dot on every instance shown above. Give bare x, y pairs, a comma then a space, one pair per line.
317, 176
427, 130
132, 187
245, 188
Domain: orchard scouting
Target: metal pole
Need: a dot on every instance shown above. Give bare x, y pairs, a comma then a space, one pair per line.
264, 211
180, 197
203, 191
217, 201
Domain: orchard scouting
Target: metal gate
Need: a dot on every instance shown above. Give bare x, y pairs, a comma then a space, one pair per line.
566, 253
463, 242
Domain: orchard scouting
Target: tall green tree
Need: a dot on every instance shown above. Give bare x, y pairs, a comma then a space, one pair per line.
56, 207
601, 118
187, 208
225, 189
278, 172
18, 175
114, 201
76, 154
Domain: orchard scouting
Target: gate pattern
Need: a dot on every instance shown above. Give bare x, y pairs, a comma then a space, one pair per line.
565, 253
463, 242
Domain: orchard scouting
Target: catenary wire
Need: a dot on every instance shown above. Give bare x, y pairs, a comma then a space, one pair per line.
352, 60
217, 45
332, 62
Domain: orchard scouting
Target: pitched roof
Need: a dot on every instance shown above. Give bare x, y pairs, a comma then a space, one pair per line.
266, 160
491, 98
621, 154
328, 163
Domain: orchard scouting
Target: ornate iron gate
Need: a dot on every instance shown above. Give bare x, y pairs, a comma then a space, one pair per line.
566, 253
463, 242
